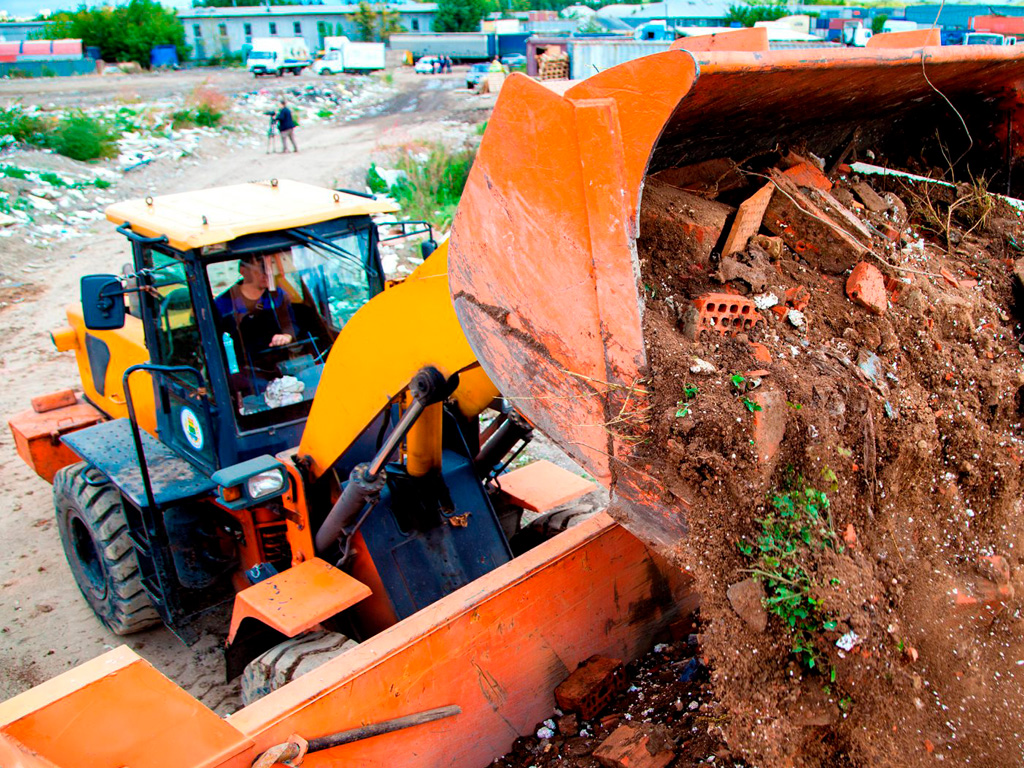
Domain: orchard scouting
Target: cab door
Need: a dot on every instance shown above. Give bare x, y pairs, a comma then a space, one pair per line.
184, 400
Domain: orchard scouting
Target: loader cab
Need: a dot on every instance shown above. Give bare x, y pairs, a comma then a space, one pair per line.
259, 344
245, 319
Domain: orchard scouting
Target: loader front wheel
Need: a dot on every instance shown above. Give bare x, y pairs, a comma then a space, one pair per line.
94, 532
289, 660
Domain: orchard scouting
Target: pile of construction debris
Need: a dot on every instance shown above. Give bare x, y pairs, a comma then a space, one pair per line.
837, 394
342, 99
655, 712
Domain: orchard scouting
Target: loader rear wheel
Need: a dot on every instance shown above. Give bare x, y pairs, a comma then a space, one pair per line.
94, 532
289, 660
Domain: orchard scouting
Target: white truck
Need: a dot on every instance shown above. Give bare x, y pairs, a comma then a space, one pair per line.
277, 55
344, 55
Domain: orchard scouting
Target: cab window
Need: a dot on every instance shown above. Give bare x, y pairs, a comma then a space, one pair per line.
177, 333
277, 313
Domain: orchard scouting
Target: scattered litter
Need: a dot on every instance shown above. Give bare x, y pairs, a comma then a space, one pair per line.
848, 642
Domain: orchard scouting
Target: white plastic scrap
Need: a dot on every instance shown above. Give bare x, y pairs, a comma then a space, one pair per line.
848, 641
796, 318
765, 301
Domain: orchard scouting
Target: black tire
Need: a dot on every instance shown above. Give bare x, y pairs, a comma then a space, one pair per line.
291, 659
94, 532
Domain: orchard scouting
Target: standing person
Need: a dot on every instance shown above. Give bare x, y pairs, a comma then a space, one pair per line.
286, 127
448, 64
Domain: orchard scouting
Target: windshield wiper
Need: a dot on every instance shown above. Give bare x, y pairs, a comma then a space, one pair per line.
308, 238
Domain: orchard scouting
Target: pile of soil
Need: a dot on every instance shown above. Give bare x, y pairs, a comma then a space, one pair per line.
897, 432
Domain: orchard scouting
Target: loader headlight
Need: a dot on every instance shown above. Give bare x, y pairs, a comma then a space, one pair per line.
267, 483
253, 481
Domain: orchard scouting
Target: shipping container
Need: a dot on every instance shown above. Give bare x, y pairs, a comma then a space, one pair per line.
460, 46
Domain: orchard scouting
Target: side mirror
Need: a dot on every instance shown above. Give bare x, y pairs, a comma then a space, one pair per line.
102, 302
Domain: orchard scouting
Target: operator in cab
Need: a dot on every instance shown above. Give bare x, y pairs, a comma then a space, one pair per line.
258, 316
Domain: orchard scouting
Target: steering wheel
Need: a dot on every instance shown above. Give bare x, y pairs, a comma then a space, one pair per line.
292, 345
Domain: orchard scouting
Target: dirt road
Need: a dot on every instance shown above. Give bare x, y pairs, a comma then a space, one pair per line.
45, 625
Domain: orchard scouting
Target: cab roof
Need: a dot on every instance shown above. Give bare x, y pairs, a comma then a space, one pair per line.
218, 215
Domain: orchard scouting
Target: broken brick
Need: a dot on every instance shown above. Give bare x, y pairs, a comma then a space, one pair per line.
686, 221
709, 177
809, 175
798, 297
871, 199
769, 424
842, 215
630, 746
761, 353
747, 600
589, 689
949, 277
726, 313
748, 220
808, 230
866, 287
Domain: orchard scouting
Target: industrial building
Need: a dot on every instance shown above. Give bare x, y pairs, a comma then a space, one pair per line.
221, 31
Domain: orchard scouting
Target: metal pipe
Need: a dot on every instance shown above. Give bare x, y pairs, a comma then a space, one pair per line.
514, 429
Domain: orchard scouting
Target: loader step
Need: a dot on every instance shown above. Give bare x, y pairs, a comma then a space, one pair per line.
110, 448
542, 486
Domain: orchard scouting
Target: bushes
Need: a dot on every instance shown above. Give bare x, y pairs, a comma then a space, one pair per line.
204, 107
434, 179
25, 128
82, 137
75, 135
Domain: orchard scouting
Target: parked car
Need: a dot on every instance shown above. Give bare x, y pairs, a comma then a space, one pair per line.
514, 60
426, 64
476, 73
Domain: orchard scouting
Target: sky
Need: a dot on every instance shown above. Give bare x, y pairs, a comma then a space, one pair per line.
29, 8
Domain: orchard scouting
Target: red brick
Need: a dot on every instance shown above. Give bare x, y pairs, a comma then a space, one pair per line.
629, 747
871, 199
808, 230
769, 423
708, 177
949, 277
866, 287
748, 220
798, 297
847, 219
807, 174
684, 221
761, 353
589, 689
726, 313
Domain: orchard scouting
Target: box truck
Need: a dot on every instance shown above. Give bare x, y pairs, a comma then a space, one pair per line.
277, 55
344, 55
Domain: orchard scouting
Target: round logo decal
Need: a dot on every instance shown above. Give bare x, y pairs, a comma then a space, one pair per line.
190, 426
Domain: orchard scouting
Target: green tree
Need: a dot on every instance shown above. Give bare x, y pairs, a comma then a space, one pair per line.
390, 23
366, 22
459, 15
750, 12
878, 22
124, 33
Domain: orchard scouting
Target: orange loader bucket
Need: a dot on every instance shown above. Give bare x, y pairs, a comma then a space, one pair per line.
543, 264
